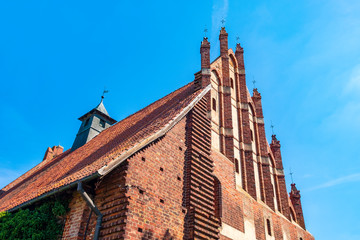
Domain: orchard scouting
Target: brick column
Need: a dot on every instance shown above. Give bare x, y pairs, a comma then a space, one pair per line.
202, 78
228, 127
280, 177
295, 199
267, 189
246, 151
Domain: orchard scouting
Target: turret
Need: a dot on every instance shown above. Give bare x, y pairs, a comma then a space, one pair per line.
93, 122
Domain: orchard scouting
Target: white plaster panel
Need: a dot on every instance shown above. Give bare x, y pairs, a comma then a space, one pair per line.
235, 121
215, 140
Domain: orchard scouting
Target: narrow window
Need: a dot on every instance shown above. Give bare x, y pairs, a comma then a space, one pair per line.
86, 122
218, 198
237, 166
268, 226
102, 123
251, 135
214, 104
232, 83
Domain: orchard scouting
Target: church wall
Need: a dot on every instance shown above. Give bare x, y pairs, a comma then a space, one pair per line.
243, 217
155, 188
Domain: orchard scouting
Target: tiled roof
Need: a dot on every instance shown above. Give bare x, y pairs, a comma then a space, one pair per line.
85, 161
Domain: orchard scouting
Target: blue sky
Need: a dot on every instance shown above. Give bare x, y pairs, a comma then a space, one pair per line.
56, 57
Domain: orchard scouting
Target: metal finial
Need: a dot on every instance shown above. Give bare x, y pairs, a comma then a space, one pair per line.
205, 31
253, 81
223, 22
237, 39
291, 174
103, 95
272, 128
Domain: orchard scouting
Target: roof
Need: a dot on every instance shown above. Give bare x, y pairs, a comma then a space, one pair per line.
100, 110
101, 107
99, 153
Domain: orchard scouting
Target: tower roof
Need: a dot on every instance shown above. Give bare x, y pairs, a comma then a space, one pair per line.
101, 110
101, 107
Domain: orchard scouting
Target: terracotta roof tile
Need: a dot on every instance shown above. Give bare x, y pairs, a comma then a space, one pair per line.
70, 166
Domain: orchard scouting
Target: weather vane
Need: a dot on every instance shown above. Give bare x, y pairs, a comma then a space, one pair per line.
237, 39
253, 81
205, 30
291, 174
272, 128
223, 22
103, 95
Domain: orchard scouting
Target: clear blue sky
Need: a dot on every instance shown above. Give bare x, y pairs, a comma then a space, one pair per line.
57, 56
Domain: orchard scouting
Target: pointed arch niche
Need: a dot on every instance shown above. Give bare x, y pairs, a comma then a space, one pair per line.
235, 95
216, 107
254, 145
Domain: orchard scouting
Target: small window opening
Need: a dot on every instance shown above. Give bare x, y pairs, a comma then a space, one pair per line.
251, 135
237, 166
179, 178
214, 104
87, 122
268, 226
301, 239
161, 200
180, 148
139, 229
143, 159
161, 169
102, 123
232, 83
141, 191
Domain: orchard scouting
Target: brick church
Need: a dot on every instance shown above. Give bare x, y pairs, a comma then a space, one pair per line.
195, 164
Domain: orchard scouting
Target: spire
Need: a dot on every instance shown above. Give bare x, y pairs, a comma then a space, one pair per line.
101, 107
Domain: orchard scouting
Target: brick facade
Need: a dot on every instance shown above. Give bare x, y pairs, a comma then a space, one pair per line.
180, 187
183, 186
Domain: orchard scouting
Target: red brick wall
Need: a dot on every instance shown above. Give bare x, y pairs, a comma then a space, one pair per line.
155, 188
73, 228
238, 206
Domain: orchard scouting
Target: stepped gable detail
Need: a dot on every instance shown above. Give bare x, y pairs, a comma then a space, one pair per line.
195, 164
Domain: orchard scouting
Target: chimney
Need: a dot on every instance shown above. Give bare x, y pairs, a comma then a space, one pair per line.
53, 152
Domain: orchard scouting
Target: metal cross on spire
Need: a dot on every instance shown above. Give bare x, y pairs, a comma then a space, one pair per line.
272, 128
291, 175
103, 95
205, 30
223, 22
